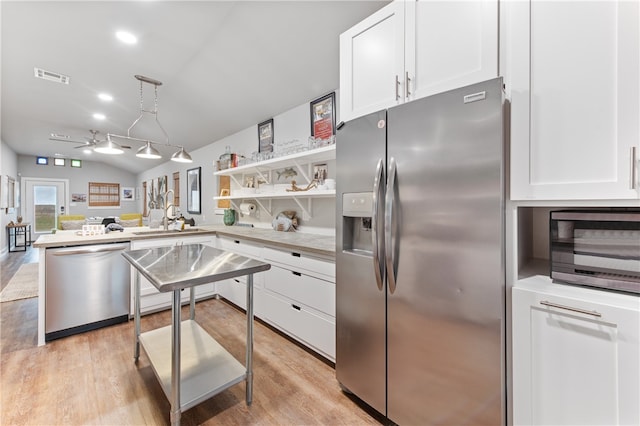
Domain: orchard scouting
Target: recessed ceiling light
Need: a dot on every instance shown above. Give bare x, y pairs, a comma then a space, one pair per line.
126, 37
99, 116
105, 97
87, 151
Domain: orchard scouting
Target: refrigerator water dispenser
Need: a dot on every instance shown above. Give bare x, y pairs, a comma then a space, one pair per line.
357, 208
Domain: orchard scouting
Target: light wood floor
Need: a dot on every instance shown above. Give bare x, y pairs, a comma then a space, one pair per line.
91, 378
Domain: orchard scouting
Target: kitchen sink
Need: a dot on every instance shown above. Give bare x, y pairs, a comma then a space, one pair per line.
168, 232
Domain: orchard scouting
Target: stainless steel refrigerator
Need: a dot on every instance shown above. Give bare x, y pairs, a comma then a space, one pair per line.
420, 284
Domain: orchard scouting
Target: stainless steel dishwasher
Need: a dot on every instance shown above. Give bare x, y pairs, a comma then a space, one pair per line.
86, 287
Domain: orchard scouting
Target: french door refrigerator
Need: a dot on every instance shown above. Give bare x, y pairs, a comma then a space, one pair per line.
420, 278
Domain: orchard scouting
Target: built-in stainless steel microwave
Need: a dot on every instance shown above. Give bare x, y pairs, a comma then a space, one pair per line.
596, 248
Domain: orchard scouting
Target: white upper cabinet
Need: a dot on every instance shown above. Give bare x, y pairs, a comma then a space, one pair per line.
449, 44
372, 63
411, 49
571, 71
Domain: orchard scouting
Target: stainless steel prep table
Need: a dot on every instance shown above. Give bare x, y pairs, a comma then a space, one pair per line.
198, 367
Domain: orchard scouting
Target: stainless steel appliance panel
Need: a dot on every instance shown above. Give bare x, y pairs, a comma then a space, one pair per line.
85, 285
360, 298
596, 248
446, 295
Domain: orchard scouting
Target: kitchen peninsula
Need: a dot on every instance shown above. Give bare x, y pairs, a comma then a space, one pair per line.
297, 296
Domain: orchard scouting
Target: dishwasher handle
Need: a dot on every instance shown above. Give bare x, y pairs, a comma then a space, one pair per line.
85, 250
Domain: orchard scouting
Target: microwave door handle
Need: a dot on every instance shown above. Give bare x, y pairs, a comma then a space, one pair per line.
377, 239
389, 238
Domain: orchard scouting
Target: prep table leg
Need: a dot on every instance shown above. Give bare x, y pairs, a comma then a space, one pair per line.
175, 359
249, 339
136, 315
192, 303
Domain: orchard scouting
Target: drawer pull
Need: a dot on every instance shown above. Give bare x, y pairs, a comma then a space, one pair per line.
297, 274
236, 241
296, 307
569, 308
238, 281
295, 254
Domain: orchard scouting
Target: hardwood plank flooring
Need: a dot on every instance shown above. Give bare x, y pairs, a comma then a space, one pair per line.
91, 378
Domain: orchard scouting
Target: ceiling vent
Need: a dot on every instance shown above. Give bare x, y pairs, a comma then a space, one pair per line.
51, 76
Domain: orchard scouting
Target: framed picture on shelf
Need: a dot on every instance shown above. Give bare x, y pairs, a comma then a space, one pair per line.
193, 190
320, 172
265, 136
323, 116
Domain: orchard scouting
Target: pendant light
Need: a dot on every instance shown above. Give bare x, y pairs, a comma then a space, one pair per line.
108, 146
148, 150
181, 156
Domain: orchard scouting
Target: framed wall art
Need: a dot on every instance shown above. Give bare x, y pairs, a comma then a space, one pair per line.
193, 190
323, 116
265, 136
128, 194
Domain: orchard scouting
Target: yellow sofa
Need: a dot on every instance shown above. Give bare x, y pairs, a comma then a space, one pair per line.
129, 218
75, 218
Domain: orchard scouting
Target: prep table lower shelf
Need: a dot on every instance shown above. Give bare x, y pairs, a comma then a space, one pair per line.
206, 367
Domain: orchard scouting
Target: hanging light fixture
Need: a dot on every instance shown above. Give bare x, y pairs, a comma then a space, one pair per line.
181, 156
148, 151
108, 146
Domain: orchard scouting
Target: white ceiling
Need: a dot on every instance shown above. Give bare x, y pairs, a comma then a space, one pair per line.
224, 65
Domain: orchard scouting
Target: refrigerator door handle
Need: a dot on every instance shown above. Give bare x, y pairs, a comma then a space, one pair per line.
376, 238
389, 240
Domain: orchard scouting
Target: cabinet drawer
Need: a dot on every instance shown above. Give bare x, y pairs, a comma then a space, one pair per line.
314, 292
234, 290
241, 247
309, 328
301, 261
152, 300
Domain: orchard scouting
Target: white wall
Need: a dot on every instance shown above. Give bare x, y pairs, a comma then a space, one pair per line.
9, 167
79, 178
291, 124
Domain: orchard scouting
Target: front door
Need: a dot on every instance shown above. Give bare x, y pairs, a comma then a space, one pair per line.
45, 200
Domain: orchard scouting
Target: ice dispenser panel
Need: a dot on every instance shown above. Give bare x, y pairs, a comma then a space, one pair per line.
357, 208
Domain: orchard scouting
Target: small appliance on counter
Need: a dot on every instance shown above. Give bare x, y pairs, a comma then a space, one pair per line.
596, 248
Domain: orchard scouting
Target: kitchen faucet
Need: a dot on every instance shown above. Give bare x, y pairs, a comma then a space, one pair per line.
167, 206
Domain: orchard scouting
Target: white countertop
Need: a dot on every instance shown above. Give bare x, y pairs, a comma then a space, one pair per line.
314, 243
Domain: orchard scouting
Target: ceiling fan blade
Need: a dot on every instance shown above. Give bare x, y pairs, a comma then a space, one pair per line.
66, 140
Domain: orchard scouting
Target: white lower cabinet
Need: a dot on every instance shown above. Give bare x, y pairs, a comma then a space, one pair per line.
300, 297
296, 296
151, 300
235, 289
576, 356
301, 322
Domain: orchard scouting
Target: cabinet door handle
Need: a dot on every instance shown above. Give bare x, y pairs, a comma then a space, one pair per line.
570, 308
634, 168
294, 254
407, 81
297, 274
296, 307
397, 88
